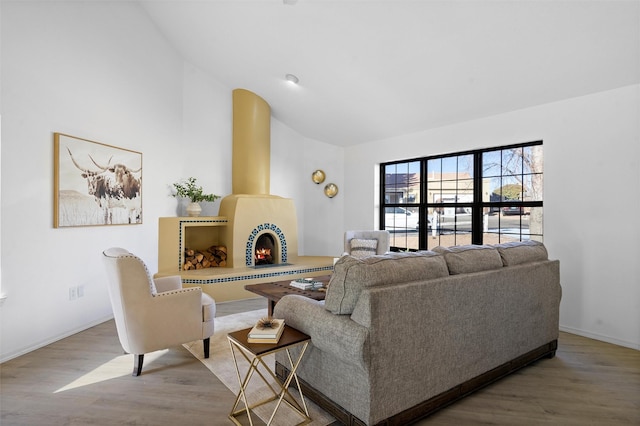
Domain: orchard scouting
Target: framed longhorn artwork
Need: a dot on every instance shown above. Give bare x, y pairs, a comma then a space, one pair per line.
95, 184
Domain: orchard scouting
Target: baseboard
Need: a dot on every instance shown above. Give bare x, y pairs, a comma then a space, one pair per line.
600, 337
26, 350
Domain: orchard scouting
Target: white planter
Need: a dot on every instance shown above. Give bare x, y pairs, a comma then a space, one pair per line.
194, 209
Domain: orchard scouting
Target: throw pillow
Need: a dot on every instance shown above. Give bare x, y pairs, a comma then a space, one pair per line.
363, 248
470, 258
518, 252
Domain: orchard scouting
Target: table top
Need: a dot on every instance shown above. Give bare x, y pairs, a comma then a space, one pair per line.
277, 290
290, 336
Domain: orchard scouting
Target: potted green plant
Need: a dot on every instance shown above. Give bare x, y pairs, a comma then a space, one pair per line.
189, 189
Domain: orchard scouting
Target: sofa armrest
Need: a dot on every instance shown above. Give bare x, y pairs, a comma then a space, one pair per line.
336, 334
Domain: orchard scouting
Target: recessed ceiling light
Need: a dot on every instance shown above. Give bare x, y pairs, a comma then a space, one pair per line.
292, 78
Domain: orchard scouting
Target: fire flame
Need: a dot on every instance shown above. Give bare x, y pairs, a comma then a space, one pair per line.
262, 253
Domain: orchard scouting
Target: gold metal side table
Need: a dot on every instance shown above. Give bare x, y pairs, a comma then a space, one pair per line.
254, 354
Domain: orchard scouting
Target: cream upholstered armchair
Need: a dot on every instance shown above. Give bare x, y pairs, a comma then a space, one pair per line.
154, 314
366, 243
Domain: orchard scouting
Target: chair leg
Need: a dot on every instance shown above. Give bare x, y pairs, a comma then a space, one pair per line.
205, 343
137, 364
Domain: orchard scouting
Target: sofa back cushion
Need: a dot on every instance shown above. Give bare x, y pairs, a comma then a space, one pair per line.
470, 258
519, 252
351, 275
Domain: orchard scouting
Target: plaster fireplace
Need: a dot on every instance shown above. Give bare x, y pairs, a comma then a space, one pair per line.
253, 213
250, 219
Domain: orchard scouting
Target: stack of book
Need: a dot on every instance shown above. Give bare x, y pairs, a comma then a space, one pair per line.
261, 334
306, 283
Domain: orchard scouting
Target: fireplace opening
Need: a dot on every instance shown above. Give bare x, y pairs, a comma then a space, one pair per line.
265, 250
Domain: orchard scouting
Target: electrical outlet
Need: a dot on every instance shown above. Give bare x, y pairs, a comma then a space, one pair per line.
73, 293
80, 291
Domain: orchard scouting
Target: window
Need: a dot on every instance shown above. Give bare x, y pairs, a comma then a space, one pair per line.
479, 197
401, 204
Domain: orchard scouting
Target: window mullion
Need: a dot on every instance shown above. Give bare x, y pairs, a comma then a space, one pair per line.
477, 209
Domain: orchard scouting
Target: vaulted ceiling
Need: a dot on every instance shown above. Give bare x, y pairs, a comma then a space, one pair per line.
370, 69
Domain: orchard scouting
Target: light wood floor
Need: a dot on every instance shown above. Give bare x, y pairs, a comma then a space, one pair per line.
85, 380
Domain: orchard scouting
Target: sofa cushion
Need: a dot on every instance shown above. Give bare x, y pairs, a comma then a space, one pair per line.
351, 275
363, 248
518, 252
470, 258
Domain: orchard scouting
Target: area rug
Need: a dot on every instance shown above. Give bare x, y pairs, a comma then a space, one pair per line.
220, 363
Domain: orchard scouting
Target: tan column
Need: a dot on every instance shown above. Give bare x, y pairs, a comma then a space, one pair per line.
251, 143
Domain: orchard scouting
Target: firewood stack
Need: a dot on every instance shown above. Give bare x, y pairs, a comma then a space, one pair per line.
212, 257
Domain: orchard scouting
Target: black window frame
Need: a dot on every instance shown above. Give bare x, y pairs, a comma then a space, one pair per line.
477, 206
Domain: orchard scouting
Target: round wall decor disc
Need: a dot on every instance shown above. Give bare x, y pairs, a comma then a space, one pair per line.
318, 176
331, 190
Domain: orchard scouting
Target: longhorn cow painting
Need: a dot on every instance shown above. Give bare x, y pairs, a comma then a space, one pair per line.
95, 184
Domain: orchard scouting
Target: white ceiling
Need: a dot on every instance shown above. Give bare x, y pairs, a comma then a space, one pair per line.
370, 69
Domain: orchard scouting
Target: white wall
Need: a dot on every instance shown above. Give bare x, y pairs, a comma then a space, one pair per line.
320, 219
324, 219
99, 71
592, 176
205, 149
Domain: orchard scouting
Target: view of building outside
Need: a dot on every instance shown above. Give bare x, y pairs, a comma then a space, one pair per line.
508, 187
402, 185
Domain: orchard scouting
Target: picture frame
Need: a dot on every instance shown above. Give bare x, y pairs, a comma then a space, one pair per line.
95, 184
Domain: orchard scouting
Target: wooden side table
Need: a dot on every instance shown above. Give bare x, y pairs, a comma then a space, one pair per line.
254, 354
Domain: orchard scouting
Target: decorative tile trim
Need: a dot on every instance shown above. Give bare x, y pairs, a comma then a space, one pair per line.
259, 230
254, 276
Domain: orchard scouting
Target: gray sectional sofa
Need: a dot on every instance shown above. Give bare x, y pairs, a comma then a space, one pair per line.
401, 335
